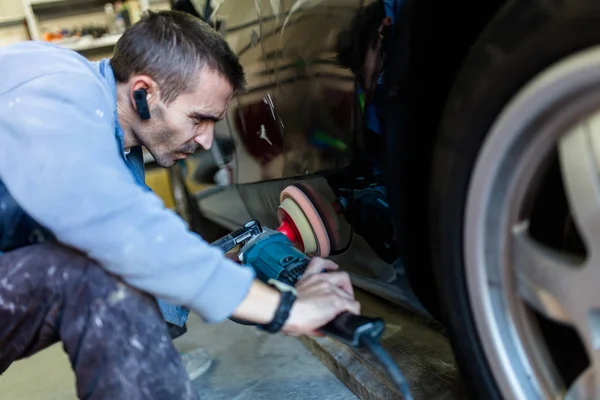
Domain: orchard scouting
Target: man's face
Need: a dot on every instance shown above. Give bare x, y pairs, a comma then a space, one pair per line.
178, 129
374, 61
372, 67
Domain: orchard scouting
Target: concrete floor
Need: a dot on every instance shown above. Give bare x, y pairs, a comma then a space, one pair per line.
419, 349
248, 364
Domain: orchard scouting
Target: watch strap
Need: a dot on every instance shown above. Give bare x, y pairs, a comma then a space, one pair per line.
281, 314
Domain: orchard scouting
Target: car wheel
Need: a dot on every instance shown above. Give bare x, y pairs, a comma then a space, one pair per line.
516, 205
188, 209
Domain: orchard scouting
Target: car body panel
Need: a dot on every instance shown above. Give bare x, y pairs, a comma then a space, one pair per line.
301, 120
298, 122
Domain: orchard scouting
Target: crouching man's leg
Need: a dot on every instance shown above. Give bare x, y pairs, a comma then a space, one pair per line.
115, 336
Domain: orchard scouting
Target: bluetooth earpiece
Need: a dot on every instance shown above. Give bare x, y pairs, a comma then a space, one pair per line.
139, 96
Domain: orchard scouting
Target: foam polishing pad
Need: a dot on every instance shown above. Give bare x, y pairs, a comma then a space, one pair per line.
312, 216
289, 211
327, 213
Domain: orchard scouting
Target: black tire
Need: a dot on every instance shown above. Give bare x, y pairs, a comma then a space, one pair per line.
187, 208
523, 39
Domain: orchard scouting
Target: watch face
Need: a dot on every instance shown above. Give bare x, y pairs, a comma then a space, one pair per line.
282, 287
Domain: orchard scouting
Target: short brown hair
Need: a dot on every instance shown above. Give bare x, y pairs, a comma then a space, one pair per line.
354, 41
171, 47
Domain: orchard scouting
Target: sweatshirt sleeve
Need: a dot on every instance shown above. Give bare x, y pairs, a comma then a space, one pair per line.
60, 160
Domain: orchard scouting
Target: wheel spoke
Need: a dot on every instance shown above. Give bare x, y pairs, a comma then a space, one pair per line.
584, 388
545, 277
579, 158
579, 154
587, 385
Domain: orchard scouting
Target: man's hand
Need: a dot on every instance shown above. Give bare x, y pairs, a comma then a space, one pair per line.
233, 256
321, 298
319, 265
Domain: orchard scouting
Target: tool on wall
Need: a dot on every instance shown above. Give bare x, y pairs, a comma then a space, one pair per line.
308, 227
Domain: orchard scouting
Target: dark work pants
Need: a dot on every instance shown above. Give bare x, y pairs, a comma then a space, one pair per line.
116, 339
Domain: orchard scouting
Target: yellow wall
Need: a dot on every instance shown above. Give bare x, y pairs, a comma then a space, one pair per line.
158, 180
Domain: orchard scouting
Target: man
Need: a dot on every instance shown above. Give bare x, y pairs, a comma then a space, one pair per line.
87, 246
362, 49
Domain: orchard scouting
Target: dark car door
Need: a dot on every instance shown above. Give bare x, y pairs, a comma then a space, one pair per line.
301, 121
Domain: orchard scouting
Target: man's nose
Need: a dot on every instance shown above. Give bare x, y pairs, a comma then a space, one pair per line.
205, 139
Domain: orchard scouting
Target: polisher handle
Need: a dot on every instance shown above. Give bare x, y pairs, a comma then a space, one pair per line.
350, 328
245, 233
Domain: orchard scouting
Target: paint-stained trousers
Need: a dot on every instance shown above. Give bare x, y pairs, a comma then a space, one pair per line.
115, 336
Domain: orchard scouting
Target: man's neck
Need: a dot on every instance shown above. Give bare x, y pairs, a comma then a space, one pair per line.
125, 114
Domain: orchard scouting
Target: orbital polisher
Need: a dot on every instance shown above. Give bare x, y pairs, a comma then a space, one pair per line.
309, 226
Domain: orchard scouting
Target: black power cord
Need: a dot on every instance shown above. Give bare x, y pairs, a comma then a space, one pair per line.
375, 347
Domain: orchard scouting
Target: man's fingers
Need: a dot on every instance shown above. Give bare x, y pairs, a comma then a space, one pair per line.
316, 306
328, 265
340, 279
318, 286
232, 256
345, 303
317, 265
354, 307
308, 280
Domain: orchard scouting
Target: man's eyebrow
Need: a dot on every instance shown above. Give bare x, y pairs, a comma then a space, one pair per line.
201, 116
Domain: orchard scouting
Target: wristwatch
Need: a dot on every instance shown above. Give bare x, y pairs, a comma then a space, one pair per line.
288, 296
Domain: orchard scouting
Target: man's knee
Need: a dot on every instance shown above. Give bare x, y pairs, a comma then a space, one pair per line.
52, 264
44, 271
81, 283
85, 283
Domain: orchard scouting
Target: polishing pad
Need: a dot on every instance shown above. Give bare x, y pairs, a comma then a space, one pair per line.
288, 209
327, 213
310, 213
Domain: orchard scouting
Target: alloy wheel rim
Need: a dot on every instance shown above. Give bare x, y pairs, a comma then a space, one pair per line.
508, 273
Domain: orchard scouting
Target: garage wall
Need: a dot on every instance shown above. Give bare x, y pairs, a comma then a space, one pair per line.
13, 28
12, 22
13, 34
11, 9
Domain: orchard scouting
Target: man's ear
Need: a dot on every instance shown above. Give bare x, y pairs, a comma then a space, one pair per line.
387, 21
140, 97
144, 92
383, 30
